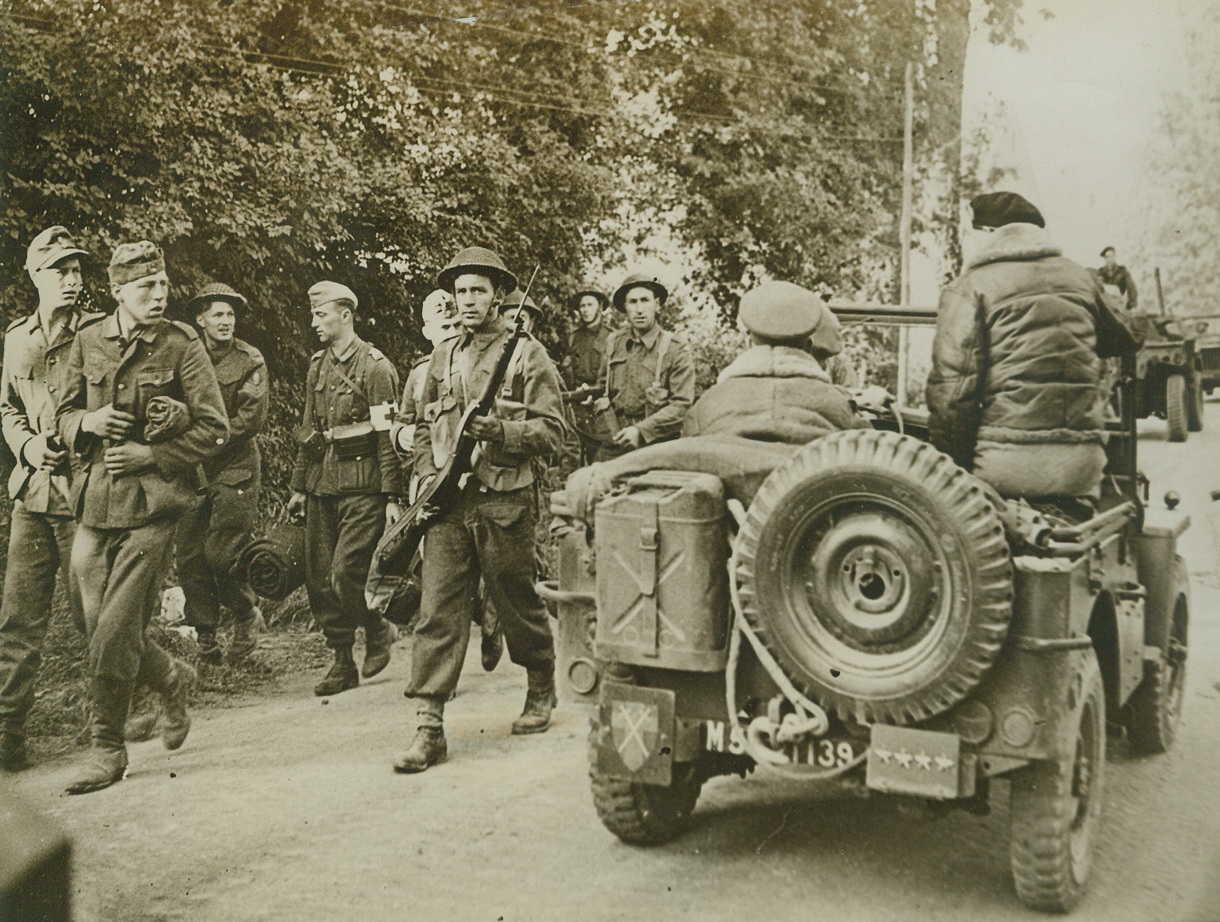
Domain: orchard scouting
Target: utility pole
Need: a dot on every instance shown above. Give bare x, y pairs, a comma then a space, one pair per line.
904, 229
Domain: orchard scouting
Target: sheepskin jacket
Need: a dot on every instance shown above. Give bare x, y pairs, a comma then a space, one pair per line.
773, 394
1019, 342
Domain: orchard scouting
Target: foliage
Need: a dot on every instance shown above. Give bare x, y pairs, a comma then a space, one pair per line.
271, 143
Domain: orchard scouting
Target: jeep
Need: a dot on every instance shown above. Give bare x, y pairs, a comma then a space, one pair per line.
876, 617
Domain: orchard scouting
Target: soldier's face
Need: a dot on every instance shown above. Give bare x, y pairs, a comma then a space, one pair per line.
477, 300
510, 316
143, 301
1110, 258
217, 321
590, 310
328, 321
59, 285
641, 306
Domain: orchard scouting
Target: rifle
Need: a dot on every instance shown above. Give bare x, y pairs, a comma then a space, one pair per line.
401, 540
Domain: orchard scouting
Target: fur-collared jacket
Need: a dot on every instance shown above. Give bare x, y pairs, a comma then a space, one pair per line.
772, 393
1017, 356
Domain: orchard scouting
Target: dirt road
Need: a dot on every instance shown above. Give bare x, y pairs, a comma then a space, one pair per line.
285, 808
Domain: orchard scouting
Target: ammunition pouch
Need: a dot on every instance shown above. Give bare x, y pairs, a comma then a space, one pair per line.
356, 440
311, 440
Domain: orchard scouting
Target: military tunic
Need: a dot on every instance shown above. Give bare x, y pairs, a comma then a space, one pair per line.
490, 532
587, 347
650, 381
42, 528
125, 535
211, 535
349, 472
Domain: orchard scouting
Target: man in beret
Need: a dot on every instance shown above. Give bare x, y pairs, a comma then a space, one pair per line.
211, 535
129, 489
489, 534
647, 377
348, 483
1113, 274
41, 530
1015, 392
776, 391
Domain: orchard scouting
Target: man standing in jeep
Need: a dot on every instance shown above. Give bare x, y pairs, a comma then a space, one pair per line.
1015, 391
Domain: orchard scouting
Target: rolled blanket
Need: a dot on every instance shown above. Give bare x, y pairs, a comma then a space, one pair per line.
166, 418
275, 565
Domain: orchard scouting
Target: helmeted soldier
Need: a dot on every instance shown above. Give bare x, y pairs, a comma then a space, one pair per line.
348, 482
140, 410
514, 303
41, 529
489, 533
587, 344
211, 535
647, 378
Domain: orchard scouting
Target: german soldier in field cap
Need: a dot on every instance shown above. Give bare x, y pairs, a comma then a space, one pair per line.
135, 475
775, 390
1015, 389
347, 481
490, 533
211, 536
40, 532
647, 377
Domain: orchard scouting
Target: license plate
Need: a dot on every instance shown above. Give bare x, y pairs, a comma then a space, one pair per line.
820, 752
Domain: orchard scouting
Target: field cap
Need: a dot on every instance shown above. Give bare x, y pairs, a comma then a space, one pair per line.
132, 261
51, 246
326, 292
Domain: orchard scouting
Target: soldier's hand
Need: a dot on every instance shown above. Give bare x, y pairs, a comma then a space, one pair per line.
393, 512
629, 436
128, 458
42, 456
487, 429
296, 505
108, 422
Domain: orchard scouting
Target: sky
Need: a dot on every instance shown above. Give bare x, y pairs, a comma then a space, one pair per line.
1079, 110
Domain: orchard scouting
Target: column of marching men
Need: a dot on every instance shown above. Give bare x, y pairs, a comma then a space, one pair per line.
134, 434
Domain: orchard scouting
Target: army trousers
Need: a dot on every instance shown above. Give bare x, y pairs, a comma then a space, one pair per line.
210, 537
39, 548
119, 573
487, 534
341, 533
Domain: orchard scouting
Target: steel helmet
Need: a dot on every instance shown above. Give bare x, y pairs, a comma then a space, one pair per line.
481, 261
218, 291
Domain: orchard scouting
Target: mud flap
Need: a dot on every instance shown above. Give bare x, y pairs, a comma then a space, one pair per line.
635, 739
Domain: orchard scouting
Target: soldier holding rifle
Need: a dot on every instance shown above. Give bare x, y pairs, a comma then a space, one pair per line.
489, 531
347, 481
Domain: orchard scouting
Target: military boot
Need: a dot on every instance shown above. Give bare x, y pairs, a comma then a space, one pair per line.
342, 675
105, 765
175, 721
12, 752
209, 649
140, 727
428, 746
539, 701
245, 636
378, 644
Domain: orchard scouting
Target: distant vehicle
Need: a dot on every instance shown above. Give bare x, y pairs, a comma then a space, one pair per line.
877, 618
1169, 377
1207, 347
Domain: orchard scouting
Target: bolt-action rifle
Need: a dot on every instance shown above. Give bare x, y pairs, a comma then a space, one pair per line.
401, 540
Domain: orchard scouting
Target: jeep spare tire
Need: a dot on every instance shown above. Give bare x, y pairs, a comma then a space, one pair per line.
877, 574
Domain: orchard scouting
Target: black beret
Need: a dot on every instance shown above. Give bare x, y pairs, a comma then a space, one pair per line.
995, 209
1106, 250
